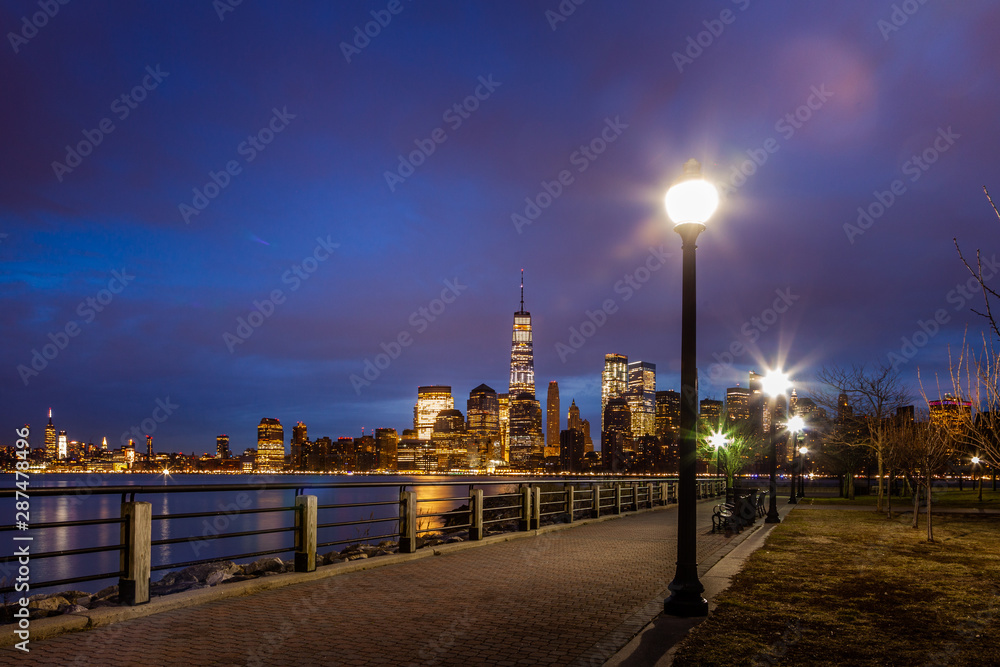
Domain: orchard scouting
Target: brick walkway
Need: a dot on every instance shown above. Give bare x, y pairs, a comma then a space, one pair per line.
547, 600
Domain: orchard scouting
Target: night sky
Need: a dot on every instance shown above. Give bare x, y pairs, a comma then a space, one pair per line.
286, 122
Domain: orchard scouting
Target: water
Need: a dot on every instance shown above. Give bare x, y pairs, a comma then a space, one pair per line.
83, 504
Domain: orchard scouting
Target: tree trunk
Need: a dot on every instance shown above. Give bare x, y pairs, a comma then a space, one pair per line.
878, 505
850, 485
916, 505
930, 528
888, 496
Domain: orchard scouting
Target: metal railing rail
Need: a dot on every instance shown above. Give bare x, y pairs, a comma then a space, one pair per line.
575, 497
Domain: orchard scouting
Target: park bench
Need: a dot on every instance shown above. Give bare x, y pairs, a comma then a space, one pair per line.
761, 508
722, 517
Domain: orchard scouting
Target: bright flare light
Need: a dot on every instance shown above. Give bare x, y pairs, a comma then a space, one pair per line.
975, 459
775, 383
717, 440
796, 424
803, 450
693, 199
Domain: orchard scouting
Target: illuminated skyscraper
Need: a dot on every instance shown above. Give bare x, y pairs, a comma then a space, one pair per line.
525, 429
483, 414
51, 444
522, 358
668, 413
737, 405
104, 444
431, 400
450, 440
503, 400
552, 419
641, 396
149, 448
710, 413
573, 417
222, 446
299, 446
270, 445
62, 446
614, 380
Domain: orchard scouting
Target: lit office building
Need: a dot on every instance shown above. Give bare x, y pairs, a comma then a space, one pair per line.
387, 445
430, 401
522, 358
51, 442
270, 445
641, 396
525, 430
737, 405
668, 413
299, 446
614, 380
222, 447
616, 437
552, 436
483, 423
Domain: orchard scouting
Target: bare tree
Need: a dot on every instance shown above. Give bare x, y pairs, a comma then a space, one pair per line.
975, 377
874, 393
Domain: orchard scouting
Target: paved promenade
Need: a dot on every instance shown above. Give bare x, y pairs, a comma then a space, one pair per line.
573, 596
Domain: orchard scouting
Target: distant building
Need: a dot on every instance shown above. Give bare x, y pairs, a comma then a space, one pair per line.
503, 401
450, 440
387, 446
738, 405
571, 450
614, 380
525, 430
616, 438
483, 424
222, 447
51, 443
365, 454
668, 413
270, 445
522, 356
62, 447
949, 411
299, 446
552, 434
710, 413
641, 396
430, 401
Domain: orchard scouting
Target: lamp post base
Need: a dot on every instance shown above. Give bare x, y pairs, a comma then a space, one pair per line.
686, 603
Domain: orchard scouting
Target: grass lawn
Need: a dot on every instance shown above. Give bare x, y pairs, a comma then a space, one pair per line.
852, 588
942, 498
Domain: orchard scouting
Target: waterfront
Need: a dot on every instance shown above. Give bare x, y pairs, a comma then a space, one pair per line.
81, 503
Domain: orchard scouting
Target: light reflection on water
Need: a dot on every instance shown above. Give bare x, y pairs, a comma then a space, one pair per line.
86, 505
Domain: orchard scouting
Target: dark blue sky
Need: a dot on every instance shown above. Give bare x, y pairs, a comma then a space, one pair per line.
332, 129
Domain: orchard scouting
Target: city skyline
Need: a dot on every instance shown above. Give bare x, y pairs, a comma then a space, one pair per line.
265, 215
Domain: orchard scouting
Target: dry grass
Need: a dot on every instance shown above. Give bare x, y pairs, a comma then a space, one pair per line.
852, 588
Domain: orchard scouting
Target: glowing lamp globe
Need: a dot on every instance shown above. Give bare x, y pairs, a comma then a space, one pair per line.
717, 440
975, 460
775, 383
692, 199
796, 423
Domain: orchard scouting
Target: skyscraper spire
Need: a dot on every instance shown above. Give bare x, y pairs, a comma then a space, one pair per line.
522, 291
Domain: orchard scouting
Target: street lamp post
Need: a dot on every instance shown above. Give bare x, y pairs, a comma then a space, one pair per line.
774, 384
718, 441
802, 485
690, 203
795, 425
975, 462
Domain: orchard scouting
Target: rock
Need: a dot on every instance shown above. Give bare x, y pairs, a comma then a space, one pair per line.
203, 571
452, 540
367, 548
262, 565
357, 556
108, 592
238, 577
75, 609
36, 613
83, 601
217, 577
49, 603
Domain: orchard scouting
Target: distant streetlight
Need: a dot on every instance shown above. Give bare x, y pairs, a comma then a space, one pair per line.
718, 440
689, 203
975, 462
795, 425
773, 384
